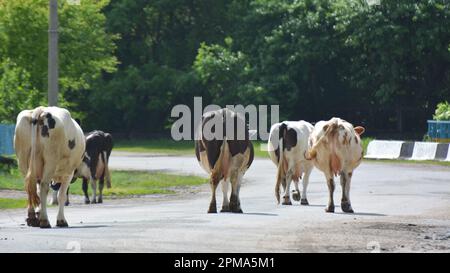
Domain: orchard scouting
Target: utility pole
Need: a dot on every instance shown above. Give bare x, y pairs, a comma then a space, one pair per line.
53, 54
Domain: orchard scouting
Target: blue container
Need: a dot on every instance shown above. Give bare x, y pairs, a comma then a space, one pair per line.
6, 139
439, 130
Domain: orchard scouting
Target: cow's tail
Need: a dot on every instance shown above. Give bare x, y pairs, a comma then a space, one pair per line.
218, 171
312, 152
107, 173
280, 171
32, 176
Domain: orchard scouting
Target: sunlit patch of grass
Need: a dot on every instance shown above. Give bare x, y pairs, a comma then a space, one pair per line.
143, 183
160, 146
10, 203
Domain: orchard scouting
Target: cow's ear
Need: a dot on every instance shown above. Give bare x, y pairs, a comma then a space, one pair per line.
359, 130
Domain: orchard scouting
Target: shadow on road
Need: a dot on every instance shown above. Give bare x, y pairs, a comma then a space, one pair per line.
260, 214
91, 226
361, 214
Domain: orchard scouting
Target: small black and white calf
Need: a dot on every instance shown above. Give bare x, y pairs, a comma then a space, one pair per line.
94, 166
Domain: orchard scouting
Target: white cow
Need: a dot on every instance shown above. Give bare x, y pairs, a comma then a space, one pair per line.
287, 146
335, 148
49, 146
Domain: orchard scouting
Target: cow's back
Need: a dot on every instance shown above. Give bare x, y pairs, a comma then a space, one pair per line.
222, 148
341, 148
295, 135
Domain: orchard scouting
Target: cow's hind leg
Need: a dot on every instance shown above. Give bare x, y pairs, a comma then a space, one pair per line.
225, 203
296, 193
305, 181
67, 201
32, 220
345, 183
101, 185
212, 205
94, 191
287, 194
43, 192
62, 198
85, 187
330, 184
54, 197
235, 202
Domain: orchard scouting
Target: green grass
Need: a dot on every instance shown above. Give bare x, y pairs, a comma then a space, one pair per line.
159, 146
171, 147
11, 181
124, 183
9, 203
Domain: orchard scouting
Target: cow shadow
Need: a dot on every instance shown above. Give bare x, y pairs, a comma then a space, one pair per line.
88, 226
362, 214
260, 214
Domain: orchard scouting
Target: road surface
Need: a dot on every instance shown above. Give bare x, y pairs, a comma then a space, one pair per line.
398, 208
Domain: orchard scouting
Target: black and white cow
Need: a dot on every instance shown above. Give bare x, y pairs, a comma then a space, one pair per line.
226, 157
287, 146
94, 166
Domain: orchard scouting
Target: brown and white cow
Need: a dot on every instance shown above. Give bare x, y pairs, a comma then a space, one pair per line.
287, 146
335, 148
226, 155
49, 146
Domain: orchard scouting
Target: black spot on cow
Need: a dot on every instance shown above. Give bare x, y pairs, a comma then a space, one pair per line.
34, 121
51, 122
290, 139
71, 144
44, 131
288, 136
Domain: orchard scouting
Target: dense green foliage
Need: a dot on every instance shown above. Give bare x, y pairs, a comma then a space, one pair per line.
442, 111
384, 65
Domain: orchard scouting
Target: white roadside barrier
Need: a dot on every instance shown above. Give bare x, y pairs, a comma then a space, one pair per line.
393, 149
384, 149
424, 151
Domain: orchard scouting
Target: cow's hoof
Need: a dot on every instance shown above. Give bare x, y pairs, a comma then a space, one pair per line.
44, 223
67, 204
347, 207
87, 201
304, 202
238, 210
61, 223
212, 208
296, 195
287, 203
32, 222
225, 209
93, 202
100, 200
330, 209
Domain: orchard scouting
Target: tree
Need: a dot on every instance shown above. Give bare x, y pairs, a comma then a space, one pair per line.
86, 49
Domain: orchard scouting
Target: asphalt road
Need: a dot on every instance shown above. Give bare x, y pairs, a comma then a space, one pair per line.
398, 208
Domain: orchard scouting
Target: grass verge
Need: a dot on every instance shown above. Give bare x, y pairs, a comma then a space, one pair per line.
124, 183
159, 146
10, 203
172, 147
